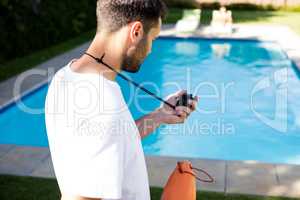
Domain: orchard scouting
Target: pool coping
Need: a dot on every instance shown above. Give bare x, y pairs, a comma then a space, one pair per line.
245, 177
289, 47
288, 40
35, 83
231, 177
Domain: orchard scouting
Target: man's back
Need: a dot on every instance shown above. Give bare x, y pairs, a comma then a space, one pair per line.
93, 139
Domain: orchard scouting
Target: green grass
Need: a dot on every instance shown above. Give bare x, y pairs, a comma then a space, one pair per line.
28, 188
289, 18
18, 65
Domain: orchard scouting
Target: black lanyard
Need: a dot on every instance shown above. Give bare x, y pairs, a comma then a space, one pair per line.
100, 60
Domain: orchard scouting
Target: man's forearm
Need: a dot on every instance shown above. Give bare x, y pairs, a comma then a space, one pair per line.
148, 123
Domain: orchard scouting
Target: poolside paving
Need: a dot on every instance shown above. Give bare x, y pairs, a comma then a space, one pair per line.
34, 78
160, 168
283, 35
22, 160
216, 168
251, 177
245, 177
5, 148
238, 177
289, 179
44, 169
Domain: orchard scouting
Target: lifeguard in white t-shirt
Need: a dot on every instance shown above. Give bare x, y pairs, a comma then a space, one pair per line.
95, 143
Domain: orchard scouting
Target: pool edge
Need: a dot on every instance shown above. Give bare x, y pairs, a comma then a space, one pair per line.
291, 49
281, 182
231, 177
48, 67
6, 105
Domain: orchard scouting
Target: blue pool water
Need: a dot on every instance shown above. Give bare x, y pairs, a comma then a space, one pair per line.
249, 106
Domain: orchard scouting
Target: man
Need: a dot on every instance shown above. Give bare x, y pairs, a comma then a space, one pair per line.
94, 142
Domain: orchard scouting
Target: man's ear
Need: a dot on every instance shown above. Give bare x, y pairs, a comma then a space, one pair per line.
136, 32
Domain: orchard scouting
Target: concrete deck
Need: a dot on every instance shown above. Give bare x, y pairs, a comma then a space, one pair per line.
238, 177
247, 177
283, 35
36, 77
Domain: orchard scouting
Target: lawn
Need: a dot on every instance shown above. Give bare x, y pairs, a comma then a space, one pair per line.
16, 66
288, 18
19, 65
28, 188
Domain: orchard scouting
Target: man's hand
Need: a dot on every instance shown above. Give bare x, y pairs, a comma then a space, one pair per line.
168, 115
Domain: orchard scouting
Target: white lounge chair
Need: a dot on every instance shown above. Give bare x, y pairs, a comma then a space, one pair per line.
221, 22
190, 21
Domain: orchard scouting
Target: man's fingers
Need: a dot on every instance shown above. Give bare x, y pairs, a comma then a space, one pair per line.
193, 103
177, 119
180, 93
172, 98
182, 115
183, 109
168, 111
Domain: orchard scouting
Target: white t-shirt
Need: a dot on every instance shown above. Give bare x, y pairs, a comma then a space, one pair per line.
94, 142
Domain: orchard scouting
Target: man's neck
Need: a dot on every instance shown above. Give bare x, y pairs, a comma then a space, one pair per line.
101, 44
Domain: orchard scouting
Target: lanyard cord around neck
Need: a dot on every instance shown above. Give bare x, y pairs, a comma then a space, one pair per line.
100, 60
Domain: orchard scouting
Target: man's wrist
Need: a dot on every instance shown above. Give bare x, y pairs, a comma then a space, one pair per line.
157, 117
149, 123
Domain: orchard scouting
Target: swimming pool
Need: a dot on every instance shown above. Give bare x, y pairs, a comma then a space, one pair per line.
249, 106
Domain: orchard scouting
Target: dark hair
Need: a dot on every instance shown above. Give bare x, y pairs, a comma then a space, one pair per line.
114, 14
